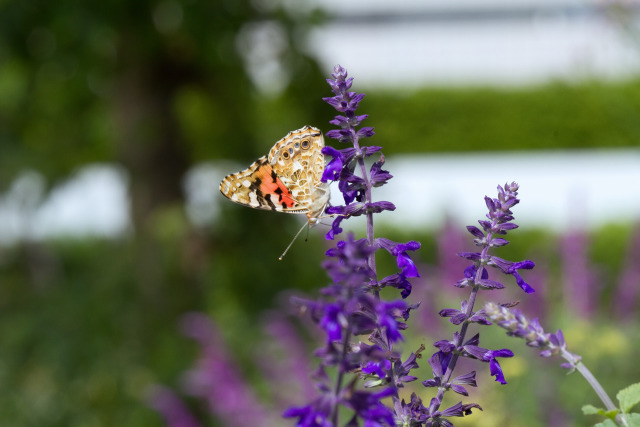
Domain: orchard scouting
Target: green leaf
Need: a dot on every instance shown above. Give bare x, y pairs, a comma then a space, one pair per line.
629, 397
606, 423
633, 419
612, 414
592, 410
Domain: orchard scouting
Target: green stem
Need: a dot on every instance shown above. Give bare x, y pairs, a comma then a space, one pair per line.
369, 199
595, 384
345, 346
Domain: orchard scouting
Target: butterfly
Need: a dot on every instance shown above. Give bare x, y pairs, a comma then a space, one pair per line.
286, 180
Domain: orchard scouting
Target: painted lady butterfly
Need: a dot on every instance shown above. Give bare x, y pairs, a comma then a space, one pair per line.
287, 180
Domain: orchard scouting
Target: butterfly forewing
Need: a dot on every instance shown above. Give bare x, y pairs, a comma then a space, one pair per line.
258, 187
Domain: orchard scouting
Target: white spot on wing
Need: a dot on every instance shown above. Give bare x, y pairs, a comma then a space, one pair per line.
278, 207
253, 200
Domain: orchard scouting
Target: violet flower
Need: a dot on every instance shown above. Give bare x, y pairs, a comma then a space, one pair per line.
216, 378
174, 411
628, 289
578, 275
285, 362
351, 306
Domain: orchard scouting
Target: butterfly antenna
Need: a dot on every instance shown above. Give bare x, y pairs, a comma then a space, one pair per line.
294, 239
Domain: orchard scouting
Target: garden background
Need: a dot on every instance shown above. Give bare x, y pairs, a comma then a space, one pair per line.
89, 321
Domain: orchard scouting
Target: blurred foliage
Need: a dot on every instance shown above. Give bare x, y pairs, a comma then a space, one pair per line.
84, 335
560, 115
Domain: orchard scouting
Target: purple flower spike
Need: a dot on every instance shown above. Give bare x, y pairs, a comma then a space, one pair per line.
476, 278
351, 308
217, 379
172, 408
343, 165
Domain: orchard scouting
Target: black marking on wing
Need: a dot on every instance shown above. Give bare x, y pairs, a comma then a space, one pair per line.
260, 197
278, 190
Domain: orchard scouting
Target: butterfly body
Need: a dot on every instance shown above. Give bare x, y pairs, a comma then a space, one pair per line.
287, 180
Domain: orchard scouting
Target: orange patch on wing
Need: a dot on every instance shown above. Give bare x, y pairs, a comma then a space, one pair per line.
271, 184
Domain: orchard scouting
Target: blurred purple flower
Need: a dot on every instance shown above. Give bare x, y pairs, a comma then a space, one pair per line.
577, 273
216, 378
172, 408
331, 322
626, 297
285, 361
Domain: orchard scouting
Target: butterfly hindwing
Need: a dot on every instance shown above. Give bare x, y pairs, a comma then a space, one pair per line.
298, 160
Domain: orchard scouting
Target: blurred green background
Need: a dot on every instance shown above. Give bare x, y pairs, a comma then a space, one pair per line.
88, 324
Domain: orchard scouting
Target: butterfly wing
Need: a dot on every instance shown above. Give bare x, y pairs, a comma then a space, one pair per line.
287, 180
